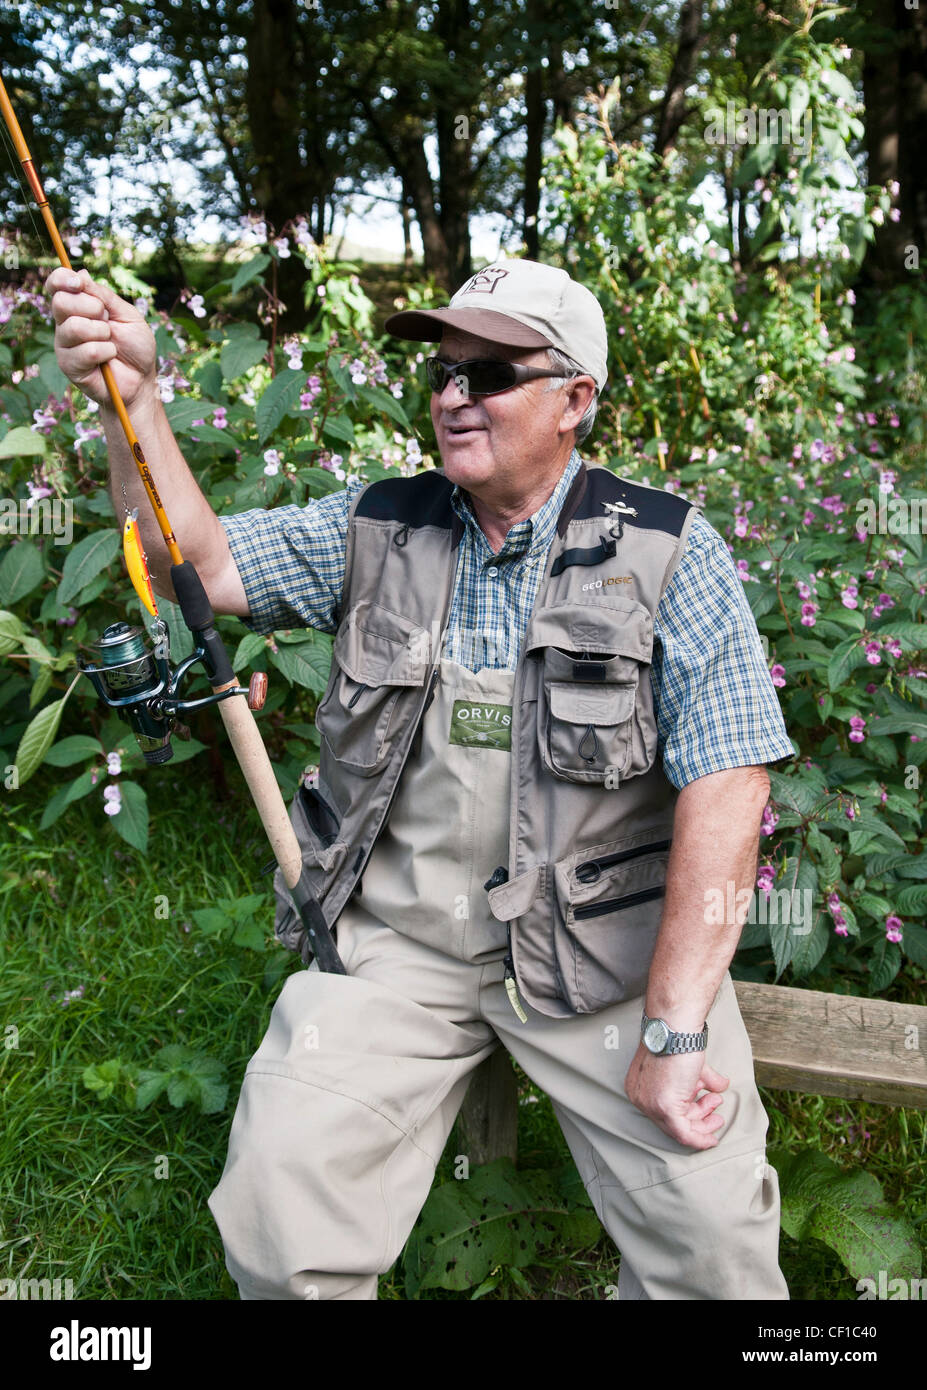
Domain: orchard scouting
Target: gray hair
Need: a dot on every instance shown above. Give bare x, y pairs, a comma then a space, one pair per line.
559, 362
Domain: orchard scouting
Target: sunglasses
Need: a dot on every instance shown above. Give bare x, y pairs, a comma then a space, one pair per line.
481, 376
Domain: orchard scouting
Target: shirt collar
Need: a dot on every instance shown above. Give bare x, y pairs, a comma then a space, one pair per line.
535, 532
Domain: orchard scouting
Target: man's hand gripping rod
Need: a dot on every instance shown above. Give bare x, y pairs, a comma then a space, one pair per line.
194, 604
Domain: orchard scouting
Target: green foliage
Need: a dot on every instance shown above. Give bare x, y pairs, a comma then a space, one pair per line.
497, 1218
187, 1076
741, 378
229, 397
238, 920
848, 1212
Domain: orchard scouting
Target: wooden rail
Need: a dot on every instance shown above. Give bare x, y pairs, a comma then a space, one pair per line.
802, 1039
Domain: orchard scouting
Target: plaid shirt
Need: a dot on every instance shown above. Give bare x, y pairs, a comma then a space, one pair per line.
715, 701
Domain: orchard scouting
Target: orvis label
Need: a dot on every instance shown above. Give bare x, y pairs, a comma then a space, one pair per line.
476, 725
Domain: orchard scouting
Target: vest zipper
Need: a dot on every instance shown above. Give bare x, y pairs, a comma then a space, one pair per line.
589, 871
615, 904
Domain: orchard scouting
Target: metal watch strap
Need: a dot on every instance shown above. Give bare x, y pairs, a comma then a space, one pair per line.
678, 1042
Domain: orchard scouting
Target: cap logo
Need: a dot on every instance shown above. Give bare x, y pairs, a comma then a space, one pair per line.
484, 281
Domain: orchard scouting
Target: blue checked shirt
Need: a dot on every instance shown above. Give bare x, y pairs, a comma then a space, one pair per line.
715, 701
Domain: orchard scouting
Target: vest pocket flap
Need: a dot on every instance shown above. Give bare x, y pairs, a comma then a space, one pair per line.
620, 627
375, 646
511, 900
591, 704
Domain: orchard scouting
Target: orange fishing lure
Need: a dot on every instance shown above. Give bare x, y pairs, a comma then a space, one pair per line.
136, 563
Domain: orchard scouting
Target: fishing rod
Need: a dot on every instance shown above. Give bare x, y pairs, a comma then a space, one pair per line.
138, 682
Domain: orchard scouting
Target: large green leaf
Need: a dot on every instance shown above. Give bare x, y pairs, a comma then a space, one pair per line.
912, 899
11, 632
22, 441
847, 657
385, 401
846, 1211
307, 663
85, 561
280, 396
73, 750
21, 571
38, 738
183, 411
131, 820
497, 1216
914, 943
239, 354
249, 271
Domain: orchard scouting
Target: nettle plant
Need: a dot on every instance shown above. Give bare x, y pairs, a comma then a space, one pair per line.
801, 436
262, 419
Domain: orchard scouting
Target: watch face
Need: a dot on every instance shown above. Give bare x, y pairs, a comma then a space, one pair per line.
655, 1035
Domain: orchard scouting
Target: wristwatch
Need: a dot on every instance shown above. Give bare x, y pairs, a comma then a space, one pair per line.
660, 1039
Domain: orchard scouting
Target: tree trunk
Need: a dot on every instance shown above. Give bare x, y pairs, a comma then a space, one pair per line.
284, 186
535, 116
673, 111
895, 96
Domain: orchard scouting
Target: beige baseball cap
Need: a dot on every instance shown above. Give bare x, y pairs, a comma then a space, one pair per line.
522, 304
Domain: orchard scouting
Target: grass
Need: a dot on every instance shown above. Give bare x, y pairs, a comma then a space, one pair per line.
80, 1193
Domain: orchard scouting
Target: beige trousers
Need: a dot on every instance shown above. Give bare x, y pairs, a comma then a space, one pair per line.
347, 1105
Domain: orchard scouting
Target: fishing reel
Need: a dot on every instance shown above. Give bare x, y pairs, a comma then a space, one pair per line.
135, 679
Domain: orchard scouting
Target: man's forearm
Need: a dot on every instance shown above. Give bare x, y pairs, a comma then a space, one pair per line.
715, 838
196, 527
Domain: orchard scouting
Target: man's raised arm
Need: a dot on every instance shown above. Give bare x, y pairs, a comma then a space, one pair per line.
92, 326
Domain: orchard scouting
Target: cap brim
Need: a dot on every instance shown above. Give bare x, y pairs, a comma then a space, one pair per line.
427, 326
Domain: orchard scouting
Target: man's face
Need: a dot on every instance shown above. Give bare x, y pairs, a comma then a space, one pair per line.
499, 443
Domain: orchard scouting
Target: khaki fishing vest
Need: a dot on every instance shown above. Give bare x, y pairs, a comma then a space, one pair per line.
591, 810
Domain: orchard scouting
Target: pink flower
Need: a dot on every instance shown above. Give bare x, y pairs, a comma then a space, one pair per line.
808, 611
778, 674
894, 421
857, 729
770, 820
893, 647
872, 653
893, 927
871, 419
849, 597
765, 878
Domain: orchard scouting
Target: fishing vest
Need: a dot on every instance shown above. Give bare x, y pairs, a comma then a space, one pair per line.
591, 809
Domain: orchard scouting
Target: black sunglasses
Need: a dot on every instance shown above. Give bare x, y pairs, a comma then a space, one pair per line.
481, 376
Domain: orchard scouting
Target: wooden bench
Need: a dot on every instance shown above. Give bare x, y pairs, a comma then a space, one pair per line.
802, 1039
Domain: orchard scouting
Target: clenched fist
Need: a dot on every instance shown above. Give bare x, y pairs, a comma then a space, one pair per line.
92, 326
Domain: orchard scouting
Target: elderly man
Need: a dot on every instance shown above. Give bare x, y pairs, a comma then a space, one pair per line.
542, 749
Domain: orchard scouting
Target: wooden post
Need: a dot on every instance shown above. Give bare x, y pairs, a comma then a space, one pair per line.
488, 1120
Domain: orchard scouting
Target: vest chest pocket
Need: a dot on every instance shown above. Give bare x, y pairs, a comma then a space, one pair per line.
595, 714
375, 656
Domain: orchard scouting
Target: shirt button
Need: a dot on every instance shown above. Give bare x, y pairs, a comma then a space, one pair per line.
492, 571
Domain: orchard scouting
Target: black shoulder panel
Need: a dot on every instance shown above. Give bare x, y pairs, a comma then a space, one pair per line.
656, 510
422, 500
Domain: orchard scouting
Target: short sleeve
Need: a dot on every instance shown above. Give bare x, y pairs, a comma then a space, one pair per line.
716, 704
291, 561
